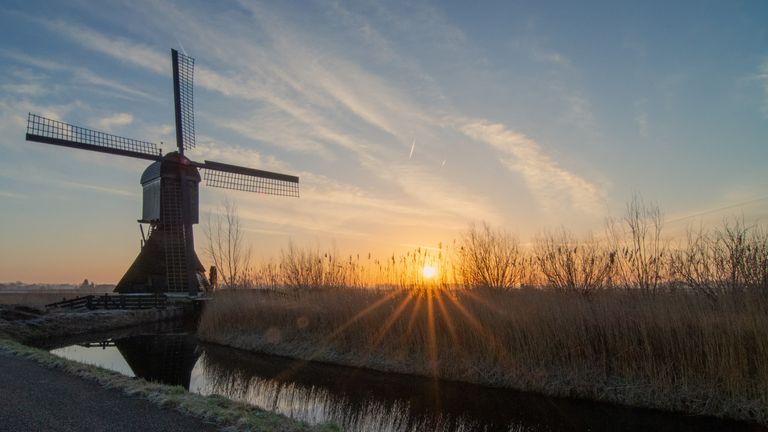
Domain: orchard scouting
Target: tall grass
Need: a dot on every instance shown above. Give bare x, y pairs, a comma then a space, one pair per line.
313, 269
675, 350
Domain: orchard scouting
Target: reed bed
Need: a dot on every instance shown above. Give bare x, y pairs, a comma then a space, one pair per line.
629, 316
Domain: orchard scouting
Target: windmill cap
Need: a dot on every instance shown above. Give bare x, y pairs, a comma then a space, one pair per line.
169, 168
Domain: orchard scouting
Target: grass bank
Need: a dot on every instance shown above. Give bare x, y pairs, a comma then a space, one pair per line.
23, 324
216, 409
673, 350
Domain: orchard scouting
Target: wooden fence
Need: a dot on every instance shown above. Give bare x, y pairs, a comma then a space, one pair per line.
114, 301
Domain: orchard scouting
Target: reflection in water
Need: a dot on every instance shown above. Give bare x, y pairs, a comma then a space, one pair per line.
361, 400
318, 393
166, 358
317, 405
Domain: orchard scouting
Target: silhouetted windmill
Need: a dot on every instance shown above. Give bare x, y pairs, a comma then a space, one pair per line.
167, 261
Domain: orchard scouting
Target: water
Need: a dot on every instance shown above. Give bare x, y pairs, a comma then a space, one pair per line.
356, 399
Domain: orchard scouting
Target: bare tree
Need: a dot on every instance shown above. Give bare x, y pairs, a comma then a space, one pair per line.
640, 249
226, 246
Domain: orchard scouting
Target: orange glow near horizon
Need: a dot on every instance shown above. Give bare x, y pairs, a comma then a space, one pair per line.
429, 271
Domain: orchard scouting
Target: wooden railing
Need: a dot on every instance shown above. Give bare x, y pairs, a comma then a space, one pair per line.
114, 301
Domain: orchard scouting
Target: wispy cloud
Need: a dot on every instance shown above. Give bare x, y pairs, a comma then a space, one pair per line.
80, 74
120, 48
13, 113
26, 89
762, 76
276, 130
555, 187
7, 194
119, 119
101, 189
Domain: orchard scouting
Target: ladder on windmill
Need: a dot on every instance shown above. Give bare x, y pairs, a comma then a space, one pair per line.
175, 241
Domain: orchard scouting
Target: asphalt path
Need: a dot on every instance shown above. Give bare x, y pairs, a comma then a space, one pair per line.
35, 398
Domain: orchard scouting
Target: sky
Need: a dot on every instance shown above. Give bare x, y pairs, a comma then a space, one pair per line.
406, 121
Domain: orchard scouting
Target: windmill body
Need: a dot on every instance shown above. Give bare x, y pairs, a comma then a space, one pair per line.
167, 262
170, 208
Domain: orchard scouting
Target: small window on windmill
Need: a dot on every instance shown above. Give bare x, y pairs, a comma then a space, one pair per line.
150, 182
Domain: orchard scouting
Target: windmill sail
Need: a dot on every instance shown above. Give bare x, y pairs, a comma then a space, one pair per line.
217, 174
48, 131
183, 96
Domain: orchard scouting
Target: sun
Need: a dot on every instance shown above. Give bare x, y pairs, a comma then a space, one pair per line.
428, 271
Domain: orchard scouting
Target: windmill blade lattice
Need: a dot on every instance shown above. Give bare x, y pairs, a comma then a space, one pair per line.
217, 174
49, 131
183, 93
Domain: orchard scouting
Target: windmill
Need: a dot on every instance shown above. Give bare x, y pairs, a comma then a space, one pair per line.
167, 262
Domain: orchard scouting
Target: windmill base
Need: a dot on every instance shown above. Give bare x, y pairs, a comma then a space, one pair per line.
148, 272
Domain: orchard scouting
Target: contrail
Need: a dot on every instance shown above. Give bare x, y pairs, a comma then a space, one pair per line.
442, 164
413, 146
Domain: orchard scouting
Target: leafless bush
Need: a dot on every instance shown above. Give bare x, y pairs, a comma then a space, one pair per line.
641, 252
309, 268
570, 265
755, 267
733, 257
491, 258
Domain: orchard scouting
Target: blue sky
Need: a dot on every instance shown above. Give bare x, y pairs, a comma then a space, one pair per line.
406, 121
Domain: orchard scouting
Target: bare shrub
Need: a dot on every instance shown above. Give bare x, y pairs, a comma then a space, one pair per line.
571, 265
491, 258
733, 257
755, 267
641, 252
268, 276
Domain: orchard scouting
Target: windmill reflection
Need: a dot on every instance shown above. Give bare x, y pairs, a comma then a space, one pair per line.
167, 358
163, 358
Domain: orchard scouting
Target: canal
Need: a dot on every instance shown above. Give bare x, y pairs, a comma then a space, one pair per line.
356, 399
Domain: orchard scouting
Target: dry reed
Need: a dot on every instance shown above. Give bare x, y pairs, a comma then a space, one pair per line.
676, 350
